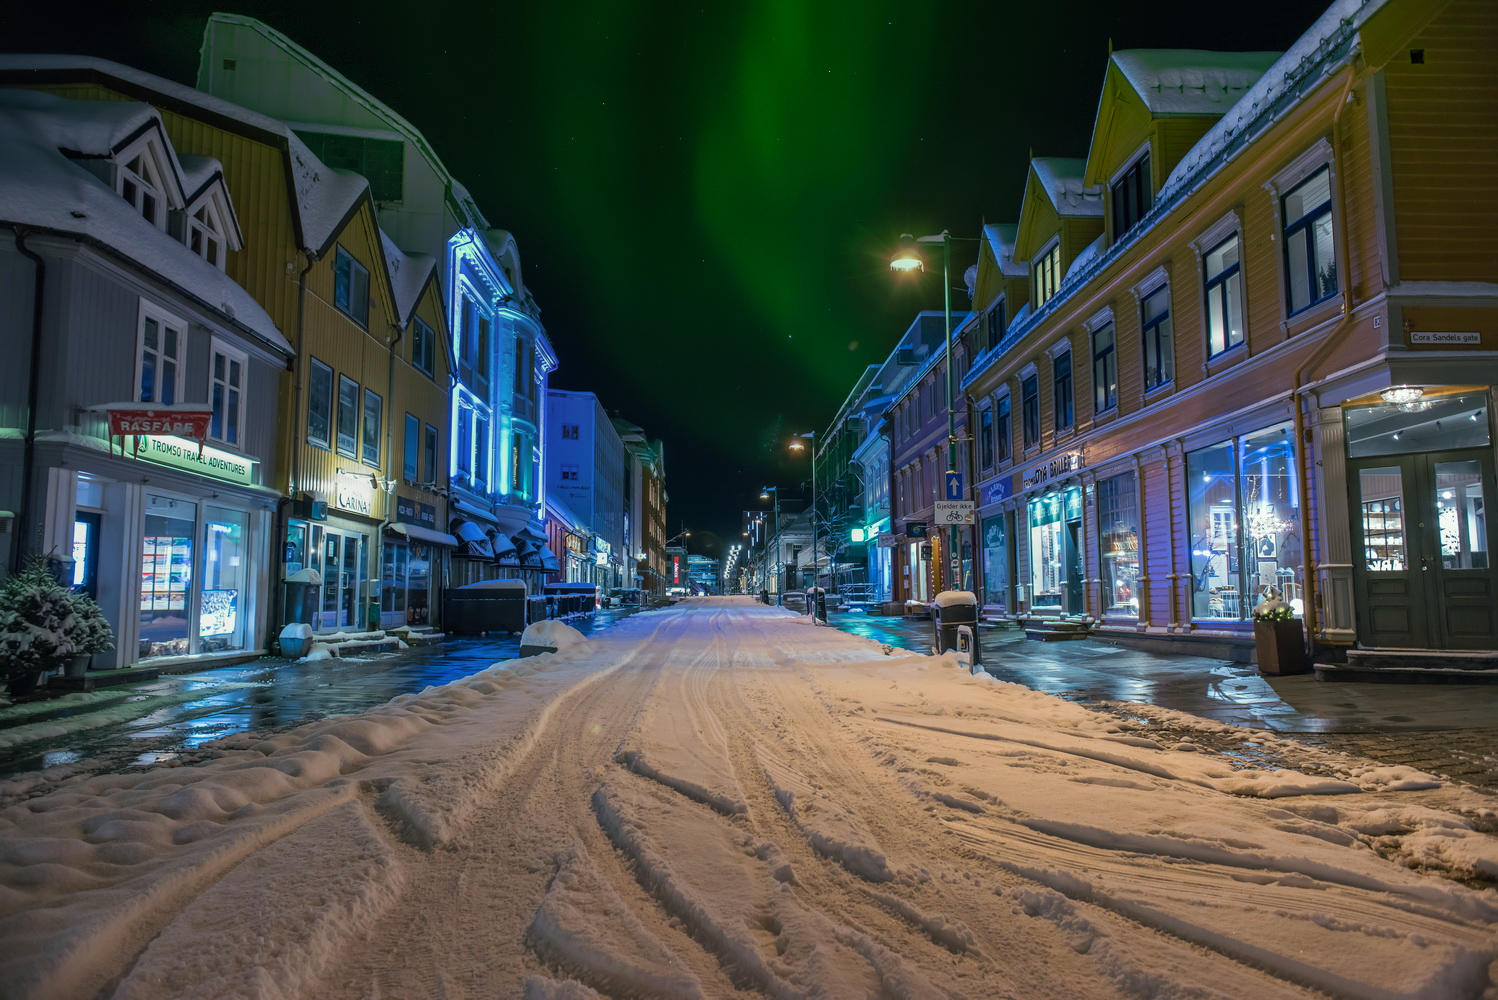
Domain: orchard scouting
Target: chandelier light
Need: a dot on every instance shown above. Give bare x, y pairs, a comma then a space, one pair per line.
1401, 394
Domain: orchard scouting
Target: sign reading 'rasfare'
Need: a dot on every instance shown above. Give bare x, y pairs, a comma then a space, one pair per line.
146, 420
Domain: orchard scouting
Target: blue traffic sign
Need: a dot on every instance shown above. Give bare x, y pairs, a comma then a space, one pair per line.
954, 486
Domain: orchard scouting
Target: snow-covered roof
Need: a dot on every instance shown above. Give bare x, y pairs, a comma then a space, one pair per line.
1089, 254
1191, 81
1284, 73
40, 186
408, 275
323, 195
1061, 179
197, 171
1000, 238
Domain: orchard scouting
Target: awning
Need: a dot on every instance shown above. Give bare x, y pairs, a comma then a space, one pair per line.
472, 542
420, 534
501, 543
548, 559
531, 533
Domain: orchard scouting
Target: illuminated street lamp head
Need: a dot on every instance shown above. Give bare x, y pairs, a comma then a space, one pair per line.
796, 445
908, 257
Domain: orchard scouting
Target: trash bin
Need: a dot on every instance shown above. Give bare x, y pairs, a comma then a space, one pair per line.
488, 606
816, 603
764, 596
535, 610
957, 625
303, 596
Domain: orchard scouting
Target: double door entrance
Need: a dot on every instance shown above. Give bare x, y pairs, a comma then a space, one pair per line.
1421, 559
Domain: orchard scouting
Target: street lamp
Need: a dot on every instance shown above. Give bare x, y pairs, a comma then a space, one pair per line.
765, 494
796, 445
908, 257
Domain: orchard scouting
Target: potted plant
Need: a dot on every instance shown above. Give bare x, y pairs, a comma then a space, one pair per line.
44, 625
1278, 638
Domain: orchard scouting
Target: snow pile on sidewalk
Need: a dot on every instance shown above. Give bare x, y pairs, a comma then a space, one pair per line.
762, 749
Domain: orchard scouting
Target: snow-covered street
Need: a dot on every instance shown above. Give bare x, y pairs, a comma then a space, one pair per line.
720, 799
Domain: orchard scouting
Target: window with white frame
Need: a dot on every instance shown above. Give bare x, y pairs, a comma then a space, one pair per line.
1310, 248
1224, 291
139, 183
569, 432
226, 393
374, 410
463, 445
423, 347
429, 458
1046, 274
205, 235
997, 323
348, 417
481, 448
1104, 369
412, 450
319, 404
1154, 320
159, 359
1061, 384
1002, 429
351, 287
1131, 196
1029, 388
569, 473
985, 438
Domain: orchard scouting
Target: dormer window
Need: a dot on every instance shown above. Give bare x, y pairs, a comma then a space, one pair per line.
140, 185
1131, 196
1045, 273
204, 236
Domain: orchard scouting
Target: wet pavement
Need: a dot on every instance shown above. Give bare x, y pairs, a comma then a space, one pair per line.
159, 721
1450, 730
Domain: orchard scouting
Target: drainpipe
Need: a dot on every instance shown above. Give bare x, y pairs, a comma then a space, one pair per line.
293, 446
400, 334
28, 460
1332, 339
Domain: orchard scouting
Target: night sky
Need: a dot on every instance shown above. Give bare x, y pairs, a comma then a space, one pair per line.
705, 196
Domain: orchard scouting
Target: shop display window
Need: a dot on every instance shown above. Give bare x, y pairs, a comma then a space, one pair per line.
1245, 524
1118, 544
221, 605
166, 576
1049, 550
995, 564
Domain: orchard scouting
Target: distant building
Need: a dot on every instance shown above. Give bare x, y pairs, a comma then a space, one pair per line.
585, 463
704, 574
644, 497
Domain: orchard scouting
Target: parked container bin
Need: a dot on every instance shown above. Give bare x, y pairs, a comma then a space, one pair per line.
573, 597
957, 625
489, 606
536, 609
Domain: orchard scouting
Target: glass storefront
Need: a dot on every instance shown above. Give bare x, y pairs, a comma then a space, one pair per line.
339, 558
1245, 524
221, 605
1053, 551
995, 564
405, 582
1118, 544
166, 576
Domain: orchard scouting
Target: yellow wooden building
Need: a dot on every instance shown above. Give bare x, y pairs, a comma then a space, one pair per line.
1266, 358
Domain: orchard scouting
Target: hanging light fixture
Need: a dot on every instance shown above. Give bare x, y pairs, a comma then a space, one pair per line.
1400, 394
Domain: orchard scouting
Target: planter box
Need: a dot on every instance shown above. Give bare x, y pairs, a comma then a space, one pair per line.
1281, 647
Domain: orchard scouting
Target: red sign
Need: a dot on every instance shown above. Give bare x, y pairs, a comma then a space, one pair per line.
181, 423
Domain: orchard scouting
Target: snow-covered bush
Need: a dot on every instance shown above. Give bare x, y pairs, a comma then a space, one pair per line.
43, 624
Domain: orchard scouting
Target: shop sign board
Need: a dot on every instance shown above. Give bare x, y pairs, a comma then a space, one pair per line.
356, 499
997, 490
1465, 337
953, 512
149, 420
1061, 465
409, 511
180, 453
888, 539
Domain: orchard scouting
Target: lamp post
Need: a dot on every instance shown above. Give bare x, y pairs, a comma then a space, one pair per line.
764, 494
811, 445
909, 258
